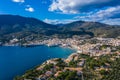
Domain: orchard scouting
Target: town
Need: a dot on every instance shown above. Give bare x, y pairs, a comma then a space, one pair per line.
96, 55
94, 46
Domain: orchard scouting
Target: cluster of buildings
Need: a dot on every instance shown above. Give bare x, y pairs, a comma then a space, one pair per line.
102, 46
55, 71
82, 46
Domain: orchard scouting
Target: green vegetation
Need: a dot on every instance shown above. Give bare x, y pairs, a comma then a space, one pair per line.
48, 67
29, 29
98, 29
73, 63
60, 63
106, 67
114, 73
68, 75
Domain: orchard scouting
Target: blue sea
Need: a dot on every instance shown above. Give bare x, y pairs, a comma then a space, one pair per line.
16, 60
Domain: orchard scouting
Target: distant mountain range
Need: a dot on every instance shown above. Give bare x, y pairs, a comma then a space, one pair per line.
20, 27
98, 29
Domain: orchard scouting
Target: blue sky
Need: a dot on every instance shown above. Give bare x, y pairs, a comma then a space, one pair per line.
65, 11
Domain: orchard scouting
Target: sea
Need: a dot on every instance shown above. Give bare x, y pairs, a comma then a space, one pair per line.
15, 60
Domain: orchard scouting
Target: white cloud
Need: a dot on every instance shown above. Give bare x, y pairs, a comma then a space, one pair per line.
19, 1
110, 15
57, 21
107, 13
76, 6
111, 12
65, 6
112, 21
29, 8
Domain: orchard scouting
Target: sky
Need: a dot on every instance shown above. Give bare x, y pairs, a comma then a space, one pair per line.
65, 11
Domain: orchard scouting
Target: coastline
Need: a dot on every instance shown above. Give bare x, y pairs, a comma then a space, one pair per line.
28, 46
35, 45
75, 50
101, 47
65, 53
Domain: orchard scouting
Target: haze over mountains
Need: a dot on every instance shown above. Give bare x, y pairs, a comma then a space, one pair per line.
20, 27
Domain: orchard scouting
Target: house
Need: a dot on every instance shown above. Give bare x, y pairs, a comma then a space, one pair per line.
81, 64
48, 73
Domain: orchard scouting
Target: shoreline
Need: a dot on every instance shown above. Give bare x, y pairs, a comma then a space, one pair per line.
27, 46
75, 50
41, 62
87, 48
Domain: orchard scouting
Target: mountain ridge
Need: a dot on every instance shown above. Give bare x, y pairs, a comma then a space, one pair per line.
15, 26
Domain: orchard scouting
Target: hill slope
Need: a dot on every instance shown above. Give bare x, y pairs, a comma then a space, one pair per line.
98, 29
11, 24
14, 26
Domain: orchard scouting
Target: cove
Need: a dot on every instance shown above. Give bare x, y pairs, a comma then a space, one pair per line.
16, 60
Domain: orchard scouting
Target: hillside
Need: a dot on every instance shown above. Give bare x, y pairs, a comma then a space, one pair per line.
14, 26
98, 29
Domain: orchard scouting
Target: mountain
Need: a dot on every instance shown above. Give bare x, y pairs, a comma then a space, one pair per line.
15, 23
14, 26
20, 27
60, 24
98, 29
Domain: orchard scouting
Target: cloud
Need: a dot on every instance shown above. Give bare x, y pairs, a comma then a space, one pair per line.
112, 21
110, 12
57, 21
80, 6
29, 8
19, 1
109, 15
103, 14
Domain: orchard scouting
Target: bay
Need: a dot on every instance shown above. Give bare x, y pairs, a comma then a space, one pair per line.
16, 60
